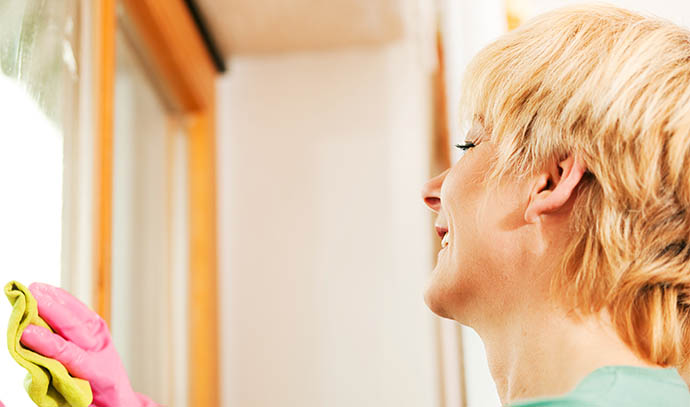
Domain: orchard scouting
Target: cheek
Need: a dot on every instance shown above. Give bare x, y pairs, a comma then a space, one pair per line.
469, 272
457, 279
451, 278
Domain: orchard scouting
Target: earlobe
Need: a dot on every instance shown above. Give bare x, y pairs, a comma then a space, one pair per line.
546, 201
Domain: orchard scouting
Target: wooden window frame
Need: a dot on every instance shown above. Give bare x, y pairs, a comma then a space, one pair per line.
167, 30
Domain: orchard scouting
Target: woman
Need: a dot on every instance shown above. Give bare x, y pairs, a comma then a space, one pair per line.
565, 224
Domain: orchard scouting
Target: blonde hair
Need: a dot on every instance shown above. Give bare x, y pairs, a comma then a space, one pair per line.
612, 87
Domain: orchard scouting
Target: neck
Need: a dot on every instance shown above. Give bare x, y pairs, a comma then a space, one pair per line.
545, 353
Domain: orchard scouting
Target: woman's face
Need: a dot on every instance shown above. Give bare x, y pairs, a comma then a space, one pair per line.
475, 273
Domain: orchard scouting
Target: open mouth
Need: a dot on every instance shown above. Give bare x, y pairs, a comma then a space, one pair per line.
444, 241
443, 234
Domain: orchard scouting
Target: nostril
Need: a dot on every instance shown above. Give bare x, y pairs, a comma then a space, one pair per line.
432, 201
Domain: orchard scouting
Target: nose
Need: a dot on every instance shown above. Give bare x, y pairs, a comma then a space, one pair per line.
431, 191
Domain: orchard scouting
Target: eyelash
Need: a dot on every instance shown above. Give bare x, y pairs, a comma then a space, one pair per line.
465, 146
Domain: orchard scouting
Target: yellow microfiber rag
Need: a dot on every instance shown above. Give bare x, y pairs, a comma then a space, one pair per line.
48, 383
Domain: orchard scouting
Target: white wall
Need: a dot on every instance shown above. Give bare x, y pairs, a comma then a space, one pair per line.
324, 241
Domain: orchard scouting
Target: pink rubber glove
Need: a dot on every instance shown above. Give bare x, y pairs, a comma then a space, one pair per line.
82, 343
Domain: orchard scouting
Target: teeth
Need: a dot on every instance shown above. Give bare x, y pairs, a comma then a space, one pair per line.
444, 242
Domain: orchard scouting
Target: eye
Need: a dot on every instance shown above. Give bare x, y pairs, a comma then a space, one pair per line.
465, 146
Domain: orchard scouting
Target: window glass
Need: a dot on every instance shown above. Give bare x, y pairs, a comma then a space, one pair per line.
150, 234
38, 82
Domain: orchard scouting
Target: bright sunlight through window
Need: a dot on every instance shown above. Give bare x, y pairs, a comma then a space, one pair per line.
30, 211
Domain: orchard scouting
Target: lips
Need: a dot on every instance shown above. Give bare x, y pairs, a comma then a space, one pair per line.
443, 234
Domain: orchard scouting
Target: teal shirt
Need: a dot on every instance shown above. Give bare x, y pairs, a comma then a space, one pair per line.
621, 386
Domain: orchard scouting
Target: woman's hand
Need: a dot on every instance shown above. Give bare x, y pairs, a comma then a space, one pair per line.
82, 343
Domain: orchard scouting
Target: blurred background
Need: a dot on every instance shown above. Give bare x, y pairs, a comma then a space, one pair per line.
235, 186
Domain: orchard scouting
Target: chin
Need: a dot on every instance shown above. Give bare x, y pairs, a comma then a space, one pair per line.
434, 300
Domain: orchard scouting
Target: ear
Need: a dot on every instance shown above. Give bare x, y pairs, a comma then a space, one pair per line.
554, 188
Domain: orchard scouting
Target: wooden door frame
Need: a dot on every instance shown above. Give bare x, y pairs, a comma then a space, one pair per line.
168, 32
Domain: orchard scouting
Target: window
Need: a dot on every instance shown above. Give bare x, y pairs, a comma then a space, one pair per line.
38, 84
122, 200
148, 229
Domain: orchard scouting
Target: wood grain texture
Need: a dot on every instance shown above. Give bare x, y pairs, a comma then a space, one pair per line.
440, 148
105, 98
203, 281
170, 39
177, 49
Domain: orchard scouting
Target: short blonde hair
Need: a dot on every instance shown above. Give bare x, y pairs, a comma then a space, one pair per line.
613, 87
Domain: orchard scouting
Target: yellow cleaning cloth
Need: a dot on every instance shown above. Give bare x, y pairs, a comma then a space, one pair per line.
48, 382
